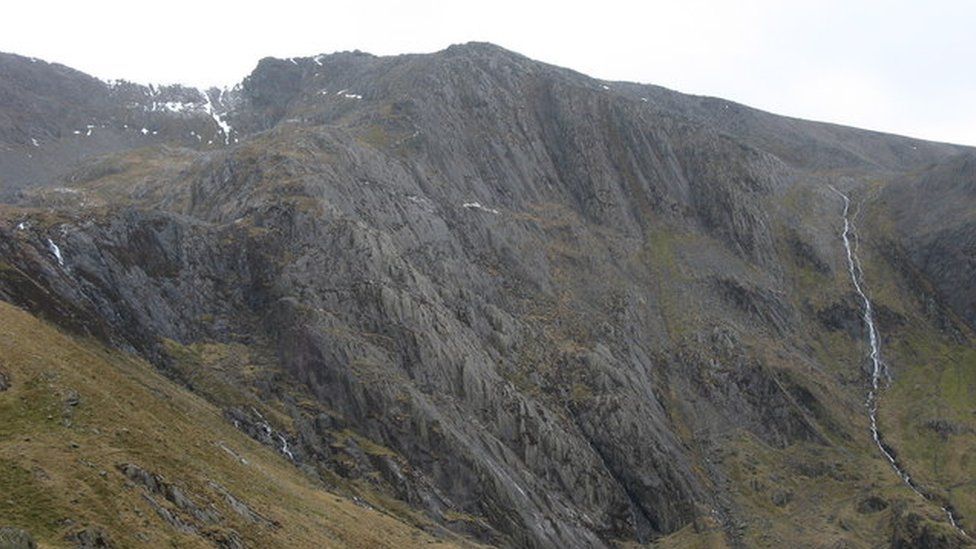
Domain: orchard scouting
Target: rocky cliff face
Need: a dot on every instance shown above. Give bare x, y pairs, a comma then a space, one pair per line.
543, 309
934, 212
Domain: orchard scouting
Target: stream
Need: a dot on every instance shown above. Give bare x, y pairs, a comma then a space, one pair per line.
878, 368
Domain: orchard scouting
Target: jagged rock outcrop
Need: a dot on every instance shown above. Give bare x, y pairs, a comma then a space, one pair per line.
15, 538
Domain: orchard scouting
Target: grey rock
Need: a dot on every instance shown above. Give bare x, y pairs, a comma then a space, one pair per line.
157, 485
15, 538
91, 537
936, 231
533, 300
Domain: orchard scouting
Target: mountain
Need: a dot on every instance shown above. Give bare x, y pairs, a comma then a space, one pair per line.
512, 302
99, 447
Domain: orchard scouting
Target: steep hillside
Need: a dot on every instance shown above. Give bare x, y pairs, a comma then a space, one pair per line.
534, 308
97, 448
933, 212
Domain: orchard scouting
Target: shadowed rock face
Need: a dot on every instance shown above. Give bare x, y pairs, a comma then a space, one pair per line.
550, 297
935, 215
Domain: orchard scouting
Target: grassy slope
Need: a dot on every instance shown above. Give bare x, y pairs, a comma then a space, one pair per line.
928, 412
58, 462
812, 495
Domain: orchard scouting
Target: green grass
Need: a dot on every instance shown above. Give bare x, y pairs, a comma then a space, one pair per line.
934, 379
58, 462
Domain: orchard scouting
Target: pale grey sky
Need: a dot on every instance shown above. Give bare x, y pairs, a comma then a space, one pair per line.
901, 66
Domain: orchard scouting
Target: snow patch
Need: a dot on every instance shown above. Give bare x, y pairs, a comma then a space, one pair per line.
605, 87
34, 142
478, 206
221, 123
177, 106
22, 226
343, 93
144, 131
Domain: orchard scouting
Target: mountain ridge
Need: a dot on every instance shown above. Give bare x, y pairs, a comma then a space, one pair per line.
507, 292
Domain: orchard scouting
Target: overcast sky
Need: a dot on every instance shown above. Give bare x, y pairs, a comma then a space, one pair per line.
901, 66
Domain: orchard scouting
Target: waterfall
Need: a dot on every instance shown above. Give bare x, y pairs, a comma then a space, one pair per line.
878, 369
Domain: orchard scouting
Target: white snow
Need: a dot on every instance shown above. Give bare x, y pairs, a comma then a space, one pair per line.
89, 127
644, 99
177, 106
56, 251
34, 142
22, 225
605, 87
144, 131
293, 62
77, 132
343, 93
221, 123
318, 60
478, 206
